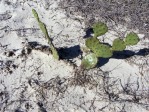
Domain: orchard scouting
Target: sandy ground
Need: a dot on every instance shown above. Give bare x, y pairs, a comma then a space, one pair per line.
32, 81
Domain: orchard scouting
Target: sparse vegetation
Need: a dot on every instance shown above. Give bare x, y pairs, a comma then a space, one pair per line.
97, 48
106, 51
59, 73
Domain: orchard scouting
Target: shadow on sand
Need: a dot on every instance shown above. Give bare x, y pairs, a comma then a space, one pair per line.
123, 55
75, 51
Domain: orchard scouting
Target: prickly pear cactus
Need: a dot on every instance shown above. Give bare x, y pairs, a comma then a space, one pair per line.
41, 24
91, 42
44, 30
89, 61
131, 39
99, 29
118, 45
102, 50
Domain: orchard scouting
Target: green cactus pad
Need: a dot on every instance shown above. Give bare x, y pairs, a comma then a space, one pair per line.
102, 50
35, 14
118, 45
91, 42
89, 61
131, 39
99, 29
45, 32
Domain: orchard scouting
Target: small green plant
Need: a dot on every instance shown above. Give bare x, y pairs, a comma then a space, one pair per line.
98, 49
45, 32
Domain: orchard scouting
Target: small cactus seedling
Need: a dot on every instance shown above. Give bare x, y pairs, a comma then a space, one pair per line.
91, 42
118, 45
89, 61
99, 29
131, 39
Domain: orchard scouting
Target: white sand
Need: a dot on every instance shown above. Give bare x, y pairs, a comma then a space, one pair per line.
22, 87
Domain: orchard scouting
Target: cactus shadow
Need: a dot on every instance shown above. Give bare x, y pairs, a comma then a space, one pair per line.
102, 61
69, 53
123, 55
64, 53
128, 53
89, 31
37, 45
34, 44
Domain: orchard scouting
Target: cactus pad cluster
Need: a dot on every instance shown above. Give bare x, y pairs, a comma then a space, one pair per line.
99, 49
